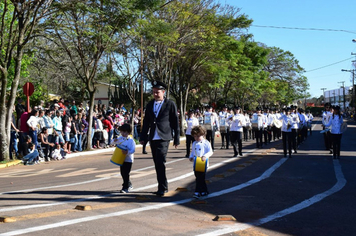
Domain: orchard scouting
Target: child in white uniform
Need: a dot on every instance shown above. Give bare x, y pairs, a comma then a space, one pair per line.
125, 141
201, 148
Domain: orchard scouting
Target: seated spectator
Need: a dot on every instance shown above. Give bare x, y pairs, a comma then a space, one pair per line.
32, 157
58, 153
24, 145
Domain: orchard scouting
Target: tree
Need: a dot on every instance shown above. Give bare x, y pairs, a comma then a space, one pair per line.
285, 71
89, 29
182, 39
19, 22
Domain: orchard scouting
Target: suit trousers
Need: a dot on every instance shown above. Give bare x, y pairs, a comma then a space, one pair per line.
159, 149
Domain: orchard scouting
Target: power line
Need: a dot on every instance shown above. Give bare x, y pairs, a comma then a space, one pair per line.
297, 28
328, 65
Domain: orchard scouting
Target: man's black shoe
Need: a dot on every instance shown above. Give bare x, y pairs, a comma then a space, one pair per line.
160, 193
144, 152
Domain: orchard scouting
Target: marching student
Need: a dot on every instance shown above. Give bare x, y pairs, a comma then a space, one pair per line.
237, 121
224, 127
258, 121
335, 122
295, 127
201, 148
287, 121
326, 118
211, 124
191, 122
310, 120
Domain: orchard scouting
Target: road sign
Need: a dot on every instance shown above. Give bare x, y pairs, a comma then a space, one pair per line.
28, 89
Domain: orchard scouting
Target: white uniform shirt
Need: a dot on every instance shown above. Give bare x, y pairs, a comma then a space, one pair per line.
287, 121
247, 120
269, 119
310, 117
259, 119
335, 122
237, 122
223, 115
210, 120
326, 117
201, 148
295, 119
128, 144
191, 122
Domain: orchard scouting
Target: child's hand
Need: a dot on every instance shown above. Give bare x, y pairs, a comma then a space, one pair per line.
125, 152
203, 158
191, 158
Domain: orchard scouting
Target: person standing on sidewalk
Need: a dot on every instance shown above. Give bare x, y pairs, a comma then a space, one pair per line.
160, 125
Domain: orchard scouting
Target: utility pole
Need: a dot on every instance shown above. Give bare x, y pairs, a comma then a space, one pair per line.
353, 84
323, 93
343, 93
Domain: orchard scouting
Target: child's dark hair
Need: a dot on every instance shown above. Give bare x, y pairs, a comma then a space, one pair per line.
27, 138
126, 128
198, 130
30, 145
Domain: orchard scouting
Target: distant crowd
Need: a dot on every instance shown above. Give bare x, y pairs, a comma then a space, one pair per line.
51, 131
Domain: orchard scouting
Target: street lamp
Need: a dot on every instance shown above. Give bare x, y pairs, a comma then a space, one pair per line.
353, 83
323, 94
343, 92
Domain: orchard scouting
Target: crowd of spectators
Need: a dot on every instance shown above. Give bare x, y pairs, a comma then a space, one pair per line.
51, 131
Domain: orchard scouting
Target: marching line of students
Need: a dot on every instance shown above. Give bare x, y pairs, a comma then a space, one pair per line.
263, 125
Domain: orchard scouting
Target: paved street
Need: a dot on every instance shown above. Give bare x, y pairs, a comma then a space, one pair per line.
266, 194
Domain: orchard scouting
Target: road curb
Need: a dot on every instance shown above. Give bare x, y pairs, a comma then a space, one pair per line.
77, 154
11, 163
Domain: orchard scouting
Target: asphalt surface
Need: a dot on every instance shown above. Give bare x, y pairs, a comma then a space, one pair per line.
261, 193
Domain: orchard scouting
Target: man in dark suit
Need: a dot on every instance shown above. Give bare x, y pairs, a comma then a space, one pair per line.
160, 125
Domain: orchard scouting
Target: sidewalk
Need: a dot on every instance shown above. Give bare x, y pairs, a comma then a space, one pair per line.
78, 154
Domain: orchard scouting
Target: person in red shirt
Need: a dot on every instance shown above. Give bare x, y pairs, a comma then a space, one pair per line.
107, 126
61, 105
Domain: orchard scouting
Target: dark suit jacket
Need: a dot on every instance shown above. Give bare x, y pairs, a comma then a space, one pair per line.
166, 123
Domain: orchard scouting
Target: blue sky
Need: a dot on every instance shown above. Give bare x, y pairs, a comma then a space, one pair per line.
312, 48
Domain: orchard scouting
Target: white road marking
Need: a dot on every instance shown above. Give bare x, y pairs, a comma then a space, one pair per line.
79, 183
341, 182
265, 175
106, 195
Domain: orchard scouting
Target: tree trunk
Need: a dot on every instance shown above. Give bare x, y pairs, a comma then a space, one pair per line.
90, 117
7, 109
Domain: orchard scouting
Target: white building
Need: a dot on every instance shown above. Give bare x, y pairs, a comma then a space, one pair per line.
337, 96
